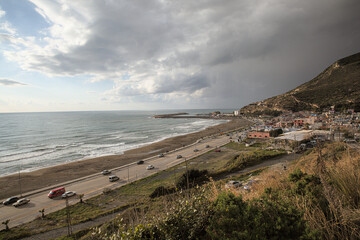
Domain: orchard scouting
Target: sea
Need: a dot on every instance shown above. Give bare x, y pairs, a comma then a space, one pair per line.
30, 141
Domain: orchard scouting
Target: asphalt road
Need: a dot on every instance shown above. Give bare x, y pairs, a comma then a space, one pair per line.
94, 185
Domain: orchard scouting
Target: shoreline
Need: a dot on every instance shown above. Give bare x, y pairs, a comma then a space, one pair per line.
49, 176
137, 147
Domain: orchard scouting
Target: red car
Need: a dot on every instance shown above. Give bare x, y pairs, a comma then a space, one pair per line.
56, 192
217, 150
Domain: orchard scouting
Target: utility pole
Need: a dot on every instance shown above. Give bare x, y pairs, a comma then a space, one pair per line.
128, 173
20, 181
187, 174
68, 217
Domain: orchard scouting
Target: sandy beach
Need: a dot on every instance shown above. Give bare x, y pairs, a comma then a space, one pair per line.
54, 175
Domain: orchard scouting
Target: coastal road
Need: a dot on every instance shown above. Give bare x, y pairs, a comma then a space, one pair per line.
95, 185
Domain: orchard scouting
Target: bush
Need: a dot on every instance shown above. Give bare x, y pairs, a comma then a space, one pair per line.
188, 219
195, 177
161, 191
264, 218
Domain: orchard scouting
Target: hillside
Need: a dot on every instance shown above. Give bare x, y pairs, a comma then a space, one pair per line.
338, 85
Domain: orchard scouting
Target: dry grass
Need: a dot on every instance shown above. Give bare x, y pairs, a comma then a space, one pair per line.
339, 171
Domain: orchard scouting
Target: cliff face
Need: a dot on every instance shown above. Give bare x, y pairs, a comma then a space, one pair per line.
337, 85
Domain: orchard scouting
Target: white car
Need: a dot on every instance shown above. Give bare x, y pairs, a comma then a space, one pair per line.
105, 172
233, 184
150, 167
21, 201
113, 178
68, 194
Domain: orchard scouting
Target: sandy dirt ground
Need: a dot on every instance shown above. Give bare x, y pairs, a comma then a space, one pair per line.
54, 175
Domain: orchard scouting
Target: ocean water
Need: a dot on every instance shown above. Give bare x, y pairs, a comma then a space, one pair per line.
30, 141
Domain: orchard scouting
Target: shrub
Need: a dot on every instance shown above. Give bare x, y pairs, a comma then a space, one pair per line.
264, 218
195, 177
188, 219
161, 191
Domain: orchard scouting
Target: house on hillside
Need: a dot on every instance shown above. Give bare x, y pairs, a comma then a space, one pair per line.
258, 135
299, 122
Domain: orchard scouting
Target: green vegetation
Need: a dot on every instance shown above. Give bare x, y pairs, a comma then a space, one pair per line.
276, 132
241, 146
320, 200
265, 218
133, 199
196, 216
323, 204
247, 159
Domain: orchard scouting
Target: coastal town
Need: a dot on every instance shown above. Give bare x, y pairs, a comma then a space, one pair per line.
328, 125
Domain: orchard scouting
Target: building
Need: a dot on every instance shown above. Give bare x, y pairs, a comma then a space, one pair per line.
237, 113
299, 122
258, 135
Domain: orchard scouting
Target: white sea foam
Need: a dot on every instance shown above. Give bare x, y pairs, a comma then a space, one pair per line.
55, 141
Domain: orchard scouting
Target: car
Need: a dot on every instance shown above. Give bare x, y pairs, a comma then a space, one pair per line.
10, 200
140, 162
105, 172
233, 184
68, 194
149, 167
21, 201
161, 155
56, 192
207, 146
113, 178
178, 156
196, 150
218, 150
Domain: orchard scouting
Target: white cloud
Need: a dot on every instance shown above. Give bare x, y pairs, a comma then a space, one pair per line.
2, 13
10, 82
175, 50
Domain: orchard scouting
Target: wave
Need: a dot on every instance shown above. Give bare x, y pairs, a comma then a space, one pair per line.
37, 148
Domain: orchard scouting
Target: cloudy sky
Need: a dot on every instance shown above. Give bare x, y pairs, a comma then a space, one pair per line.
68, 55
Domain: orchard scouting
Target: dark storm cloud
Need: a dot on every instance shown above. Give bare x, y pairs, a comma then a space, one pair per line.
234, 51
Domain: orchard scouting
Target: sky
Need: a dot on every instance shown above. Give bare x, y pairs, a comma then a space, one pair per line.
83, 55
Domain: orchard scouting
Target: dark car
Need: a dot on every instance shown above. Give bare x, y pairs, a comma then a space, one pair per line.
140, 162
161, 155
10, 200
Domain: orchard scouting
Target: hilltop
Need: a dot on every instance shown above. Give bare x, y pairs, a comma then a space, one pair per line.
338, 85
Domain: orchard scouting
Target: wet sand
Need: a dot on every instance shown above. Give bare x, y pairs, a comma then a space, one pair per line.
54, 175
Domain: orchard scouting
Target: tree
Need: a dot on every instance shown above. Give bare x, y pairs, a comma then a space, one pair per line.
276, 132
6, 223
